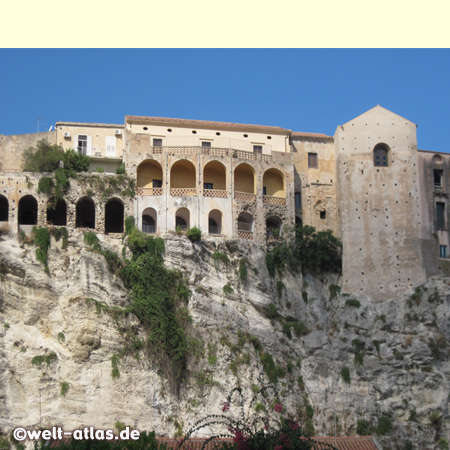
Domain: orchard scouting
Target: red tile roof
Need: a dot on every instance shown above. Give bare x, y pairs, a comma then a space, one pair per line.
298, 135
206, 124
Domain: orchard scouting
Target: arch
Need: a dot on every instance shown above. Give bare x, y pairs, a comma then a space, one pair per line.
273, 227
182, 219
4, 209
437, 159
114, 212
57, 214
149, 220
245, 222
214, 175
381, 155
244, 179
28, 210
273, 183
182, 174
85, 213
149, 174
215, 222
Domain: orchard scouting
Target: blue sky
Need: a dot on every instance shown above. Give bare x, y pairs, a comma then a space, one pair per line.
312, 90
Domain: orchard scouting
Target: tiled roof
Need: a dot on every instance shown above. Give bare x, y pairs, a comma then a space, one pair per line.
82, 124
206, 124
322, 443
298, 135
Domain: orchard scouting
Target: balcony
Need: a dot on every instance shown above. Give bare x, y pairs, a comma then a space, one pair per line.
244, 196
210, 151
179, 192
149, 191
216, 193
268, 199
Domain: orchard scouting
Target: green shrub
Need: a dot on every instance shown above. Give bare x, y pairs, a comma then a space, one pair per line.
61, 337
115, 368
99, 170
42, 240
64, 388
443, 443
243, 269
353, 302
45, 185
194, 234
212, 360
48, 358
75, 162
269, 367
300, 329
44, 158
305, 297
227, 289
220, 257
363, 427
121, 169
91, 239
61, 232
287, 330
272, 313
384, 425
359, 361
259, 407
280, 287
345, 374
334, 291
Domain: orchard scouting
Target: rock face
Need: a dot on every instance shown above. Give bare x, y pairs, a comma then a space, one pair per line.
396, 351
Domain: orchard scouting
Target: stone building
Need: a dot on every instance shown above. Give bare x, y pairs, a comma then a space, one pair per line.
385, 199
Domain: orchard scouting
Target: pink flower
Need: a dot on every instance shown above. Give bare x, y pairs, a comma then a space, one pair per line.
278, 407
226, 407
294, 425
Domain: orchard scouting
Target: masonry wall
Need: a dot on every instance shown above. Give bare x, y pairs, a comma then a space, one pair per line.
12, 147
379, 206
316, 185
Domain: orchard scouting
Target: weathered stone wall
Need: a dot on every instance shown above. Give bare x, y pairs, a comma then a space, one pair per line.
379, 206
12, 147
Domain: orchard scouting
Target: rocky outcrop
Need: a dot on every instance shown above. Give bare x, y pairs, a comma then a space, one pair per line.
59, 330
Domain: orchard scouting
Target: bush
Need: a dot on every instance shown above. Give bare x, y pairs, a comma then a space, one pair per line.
363, 427
220, 257
44, 158
345, 374
227, 289
243, 269
64, 388
45, 185
194, 234
353, 302
75, 162
121, 169
384, 425
42, 240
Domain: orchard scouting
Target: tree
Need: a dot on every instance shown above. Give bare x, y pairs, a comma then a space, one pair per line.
44, 158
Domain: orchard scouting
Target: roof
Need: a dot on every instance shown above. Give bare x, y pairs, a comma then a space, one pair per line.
206, 124
322, 443
83, 124
300, 136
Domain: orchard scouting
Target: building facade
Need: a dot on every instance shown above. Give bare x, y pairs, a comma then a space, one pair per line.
385, 199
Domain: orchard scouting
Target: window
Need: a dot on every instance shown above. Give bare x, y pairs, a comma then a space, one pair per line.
264, 190
110, 146
438, 175
440, 215
442, 251
207, 185
157, 183
312, 161
82, 144
323, 214
298, 199
157, 142
380, 155
206, 144
257, 149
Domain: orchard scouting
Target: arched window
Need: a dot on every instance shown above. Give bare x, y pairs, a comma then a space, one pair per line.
245, 222
244, 179
182, 219
149, 221
149, 178
182, 178
85, 213
4, 209
214, 176
28, 210
215, 222
273, 183
114, 213
381, 155
57, 214
273, 227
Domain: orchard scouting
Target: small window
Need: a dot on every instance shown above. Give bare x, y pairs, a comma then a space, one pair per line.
257, 149
438, 175
264, 190
323, 214
82, 144
298, 199
312, 161
157, 183
442, 251
380, 156
440, 215
206, 144
207, 185
157, 142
